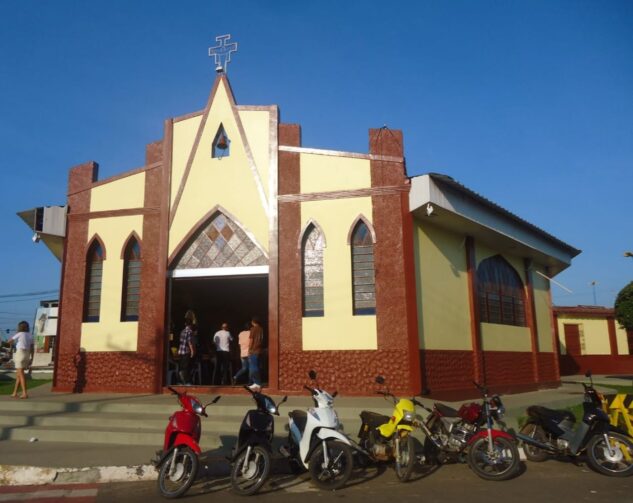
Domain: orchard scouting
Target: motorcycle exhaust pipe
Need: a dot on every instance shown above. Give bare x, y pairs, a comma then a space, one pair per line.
535, 443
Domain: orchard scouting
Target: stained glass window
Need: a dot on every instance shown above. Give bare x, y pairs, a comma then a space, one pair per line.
500, 293
363, 277
312, 267
131, 281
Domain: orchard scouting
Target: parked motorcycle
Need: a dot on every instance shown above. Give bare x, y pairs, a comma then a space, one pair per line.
177, 463
251, 458
317, 443
551, 432
468, 434
386, 438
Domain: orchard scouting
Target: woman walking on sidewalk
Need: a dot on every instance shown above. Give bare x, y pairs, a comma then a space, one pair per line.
23, 357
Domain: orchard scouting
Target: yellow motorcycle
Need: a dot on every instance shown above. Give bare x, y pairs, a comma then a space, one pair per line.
386, 439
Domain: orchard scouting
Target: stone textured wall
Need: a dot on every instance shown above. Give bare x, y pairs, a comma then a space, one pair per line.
105, 371
349, 372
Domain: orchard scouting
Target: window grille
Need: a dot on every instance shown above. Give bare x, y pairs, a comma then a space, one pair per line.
131, 281
363, 277
501, 293
94, 276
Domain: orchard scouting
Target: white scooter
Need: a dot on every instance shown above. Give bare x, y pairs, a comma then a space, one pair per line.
317, 443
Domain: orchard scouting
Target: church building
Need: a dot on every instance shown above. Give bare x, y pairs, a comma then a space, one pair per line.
353, 268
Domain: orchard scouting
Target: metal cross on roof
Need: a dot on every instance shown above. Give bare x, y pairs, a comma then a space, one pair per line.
222, 52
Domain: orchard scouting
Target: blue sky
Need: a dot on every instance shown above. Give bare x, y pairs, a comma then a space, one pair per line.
529, 103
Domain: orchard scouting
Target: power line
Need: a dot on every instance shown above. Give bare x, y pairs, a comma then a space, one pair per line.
30, 294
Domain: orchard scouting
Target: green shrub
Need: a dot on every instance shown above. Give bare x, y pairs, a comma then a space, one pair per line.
624, 307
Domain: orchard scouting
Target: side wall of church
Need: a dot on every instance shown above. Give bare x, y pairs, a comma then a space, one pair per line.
456, 349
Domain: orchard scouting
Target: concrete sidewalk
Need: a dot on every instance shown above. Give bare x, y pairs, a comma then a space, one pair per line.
63, 461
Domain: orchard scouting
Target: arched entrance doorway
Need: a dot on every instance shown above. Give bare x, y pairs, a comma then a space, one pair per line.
221, 274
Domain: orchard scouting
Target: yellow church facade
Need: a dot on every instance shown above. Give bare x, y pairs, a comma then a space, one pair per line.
353, 268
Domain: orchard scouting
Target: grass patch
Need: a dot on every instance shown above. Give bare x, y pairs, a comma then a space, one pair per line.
6, 387
618, 389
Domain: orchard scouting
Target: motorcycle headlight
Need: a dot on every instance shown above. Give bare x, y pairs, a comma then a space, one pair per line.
408, 416
271, 407
196, 406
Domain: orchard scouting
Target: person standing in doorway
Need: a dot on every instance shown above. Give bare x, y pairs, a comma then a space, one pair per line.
243, 339
256, 343
222, 340
186, 348
23, 357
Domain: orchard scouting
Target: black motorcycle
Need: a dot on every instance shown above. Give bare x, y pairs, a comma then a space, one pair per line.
251, 458
549, 432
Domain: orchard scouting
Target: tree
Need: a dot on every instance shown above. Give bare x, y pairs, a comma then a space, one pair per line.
624, 307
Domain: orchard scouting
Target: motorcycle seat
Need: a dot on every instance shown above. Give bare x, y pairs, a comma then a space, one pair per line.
538, 412
445, 410
373, 419
300, 418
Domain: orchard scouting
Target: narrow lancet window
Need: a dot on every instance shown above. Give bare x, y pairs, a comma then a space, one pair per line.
131, 281
312, 266
94, 276
363, 277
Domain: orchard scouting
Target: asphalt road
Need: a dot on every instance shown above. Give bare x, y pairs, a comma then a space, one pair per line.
553, 480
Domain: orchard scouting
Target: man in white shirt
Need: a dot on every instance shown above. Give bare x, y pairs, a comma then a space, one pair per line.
222, 340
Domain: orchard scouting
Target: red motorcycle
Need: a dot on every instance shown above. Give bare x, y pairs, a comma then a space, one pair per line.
177, 462
468, 435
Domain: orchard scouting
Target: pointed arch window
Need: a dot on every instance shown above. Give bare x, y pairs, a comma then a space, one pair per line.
312, 246
131, 281
501, 293
221, 144
94, 276
363, 277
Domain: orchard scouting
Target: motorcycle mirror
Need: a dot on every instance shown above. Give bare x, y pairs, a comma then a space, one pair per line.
283, 400
334, 395
380, 380
588, 373
215, 400
312, 375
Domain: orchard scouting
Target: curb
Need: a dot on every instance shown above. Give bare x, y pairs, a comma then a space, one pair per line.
32, 475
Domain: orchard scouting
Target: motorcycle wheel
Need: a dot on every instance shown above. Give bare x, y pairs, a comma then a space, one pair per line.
177, 473
249, 481
618, 464
500, 464
532, 452
405, 457
335, 474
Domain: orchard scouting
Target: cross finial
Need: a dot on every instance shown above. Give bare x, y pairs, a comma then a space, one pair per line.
222, 52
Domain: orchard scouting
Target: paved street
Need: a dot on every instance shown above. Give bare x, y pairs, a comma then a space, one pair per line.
550, 481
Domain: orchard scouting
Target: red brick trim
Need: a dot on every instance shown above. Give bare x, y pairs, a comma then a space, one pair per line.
361, 218
133, 235
131, 172
598, 364
475, 326
73, 281
530, 315
396, 322
98, 239
289, 275
90, 215
613, 341
194, 148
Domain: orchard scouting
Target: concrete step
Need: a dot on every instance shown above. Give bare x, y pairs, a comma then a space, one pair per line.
140, 422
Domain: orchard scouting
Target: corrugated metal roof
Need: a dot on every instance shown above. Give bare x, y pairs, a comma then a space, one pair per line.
450, 181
